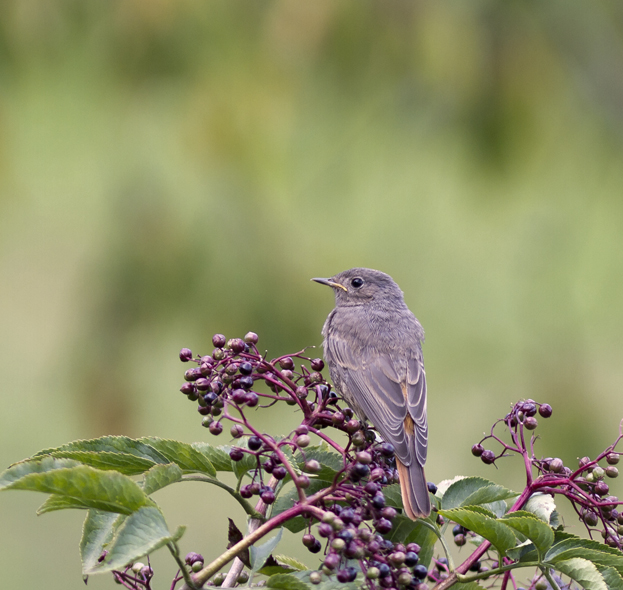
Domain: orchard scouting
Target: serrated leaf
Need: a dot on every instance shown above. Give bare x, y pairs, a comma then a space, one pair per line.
112, 444
460, 490
532, 528
182, 454
141, 533
55, 502
498, 508
287, 582
487, 494
103, 490
290, 562
259, 554
160, 476
541, 505
583, 572
287, 499
97, 531
122, 462
485, 524
611, 577
330, 461
573, 546
287, 451
218, 456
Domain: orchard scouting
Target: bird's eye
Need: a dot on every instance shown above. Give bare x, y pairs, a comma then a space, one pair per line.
357, 282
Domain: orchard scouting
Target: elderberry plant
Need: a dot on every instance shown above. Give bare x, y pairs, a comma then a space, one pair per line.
343, 498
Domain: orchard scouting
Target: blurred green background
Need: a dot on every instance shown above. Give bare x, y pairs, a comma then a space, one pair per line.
172, 169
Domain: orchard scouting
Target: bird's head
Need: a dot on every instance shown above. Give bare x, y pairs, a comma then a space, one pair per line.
358, 286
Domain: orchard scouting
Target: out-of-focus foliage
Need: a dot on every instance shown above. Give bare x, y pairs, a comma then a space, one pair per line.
170, 169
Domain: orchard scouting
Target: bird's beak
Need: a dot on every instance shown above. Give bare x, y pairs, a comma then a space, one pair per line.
330, 283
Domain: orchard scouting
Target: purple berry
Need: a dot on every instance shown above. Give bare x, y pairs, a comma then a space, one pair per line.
251, 398
487, 457
383, 526
545, 410
279, 472
187, 388
268, 496
477, 450
245, 368
236, 345
347, 575
325, 530
432, 488
219, 340
317, 365
236, 454
286, 363
216, 428
251, 338
255, 443
186, 355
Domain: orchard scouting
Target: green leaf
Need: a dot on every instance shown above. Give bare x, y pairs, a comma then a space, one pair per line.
218, 456
291, 562
122, 462
258, 554
55, 502
97, 531
460, 490
467, 586
533, 528
541, 505
583, 572
287, 499
104, 490
160, 476
613, 579
111, 444
182, 454
393, 496
330, 461
141, 533
483, 523
287, 582
487, 494
598, 553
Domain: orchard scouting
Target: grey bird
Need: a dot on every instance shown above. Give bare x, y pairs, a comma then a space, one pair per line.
373, 347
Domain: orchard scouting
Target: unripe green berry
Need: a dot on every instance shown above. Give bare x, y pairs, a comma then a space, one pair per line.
137, 567
373, 573
328, 517
302, 441
243, 578
219, 579
315, 577
598, 473
612, 471
197, 566
338, 545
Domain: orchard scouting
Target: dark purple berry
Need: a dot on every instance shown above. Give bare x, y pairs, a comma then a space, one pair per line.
414, 547
246, 382
185, 355
337, 418
219, 340
236, 345
317, 365
239, 396
301, 392
529, 408
458, 530
193, 557
612, 458
187, 388
286, 363
204, 410
268, 465
460, 540
255, 443
251, 398
545, 410
442, 564
371, 488
332, 561
487, 457
205, 369
346, 575
411, 558
246, 492
216, 386
601, 488
378, 501
360, 471
420, 572
325, 530
202, 384
389, 512
475, 567
432, 488
383, 526
384, 570
477, 450
268, 496
279, 472
245, 368
236, 454
308, 539
387, 450
347, 515
216, 428
352, 426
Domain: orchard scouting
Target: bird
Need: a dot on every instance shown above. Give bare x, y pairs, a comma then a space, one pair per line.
373, 348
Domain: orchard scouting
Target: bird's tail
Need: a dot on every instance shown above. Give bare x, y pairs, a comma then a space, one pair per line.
414, 490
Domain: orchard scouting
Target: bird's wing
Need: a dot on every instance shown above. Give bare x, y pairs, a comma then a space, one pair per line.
391, 401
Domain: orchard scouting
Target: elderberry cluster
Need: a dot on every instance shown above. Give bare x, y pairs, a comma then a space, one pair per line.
584, 486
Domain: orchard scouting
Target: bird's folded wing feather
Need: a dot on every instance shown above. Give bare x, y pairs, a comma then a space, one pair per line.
386, 396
